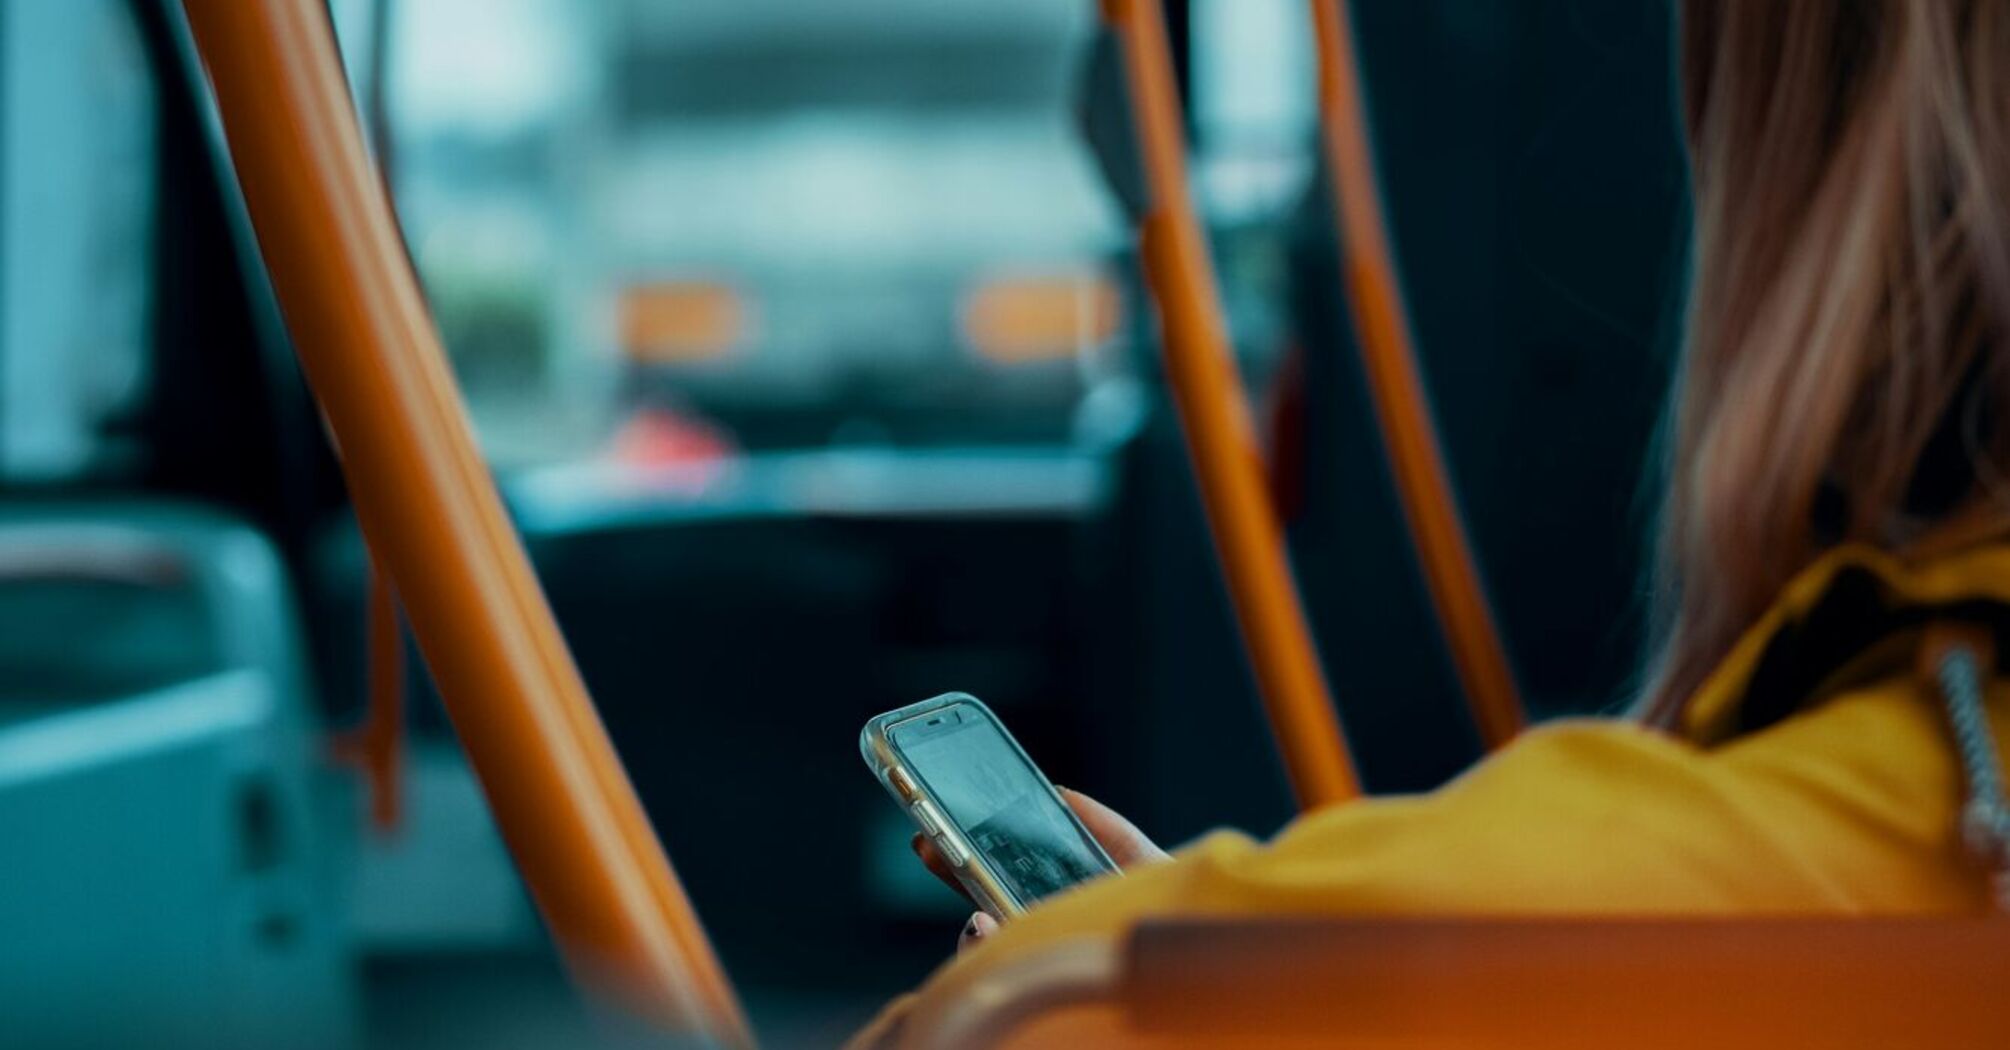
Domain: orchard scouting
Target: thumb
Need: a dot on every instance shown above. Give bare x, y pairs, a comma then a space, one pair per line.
1120, 838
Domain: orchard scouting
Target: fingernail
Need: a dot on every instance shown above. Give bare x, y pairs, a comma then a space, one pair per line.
970, 926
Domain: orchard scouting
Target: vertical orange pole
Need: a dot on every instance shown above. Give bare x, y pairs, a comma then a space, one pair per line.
1402, 408
384, 725
1221, 440
376, 746
431, 514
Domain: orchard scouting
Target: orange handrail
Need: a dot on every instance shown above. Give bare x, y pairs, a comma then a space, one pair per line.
1402, 407
1221, 440
430, 511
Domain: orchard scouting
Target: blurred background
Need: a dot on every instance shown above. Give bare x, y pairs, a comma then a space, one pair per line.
807, 343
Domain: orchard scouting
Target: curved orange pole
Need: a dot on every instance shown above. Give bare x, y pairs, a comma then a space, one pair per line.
432, 515
1221, 440
1401, 406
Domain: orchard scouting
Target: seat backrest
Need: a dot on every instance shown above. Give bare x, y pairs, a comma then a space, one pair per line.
112, 598
1507, 983
161, 841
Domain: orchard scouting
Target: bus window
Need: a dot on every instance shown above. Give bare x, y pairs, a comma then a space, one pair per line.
77, 122
1253, 114
683, 228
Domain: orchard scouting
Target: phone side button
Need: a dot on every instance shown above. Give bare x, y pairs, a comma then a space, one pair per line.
952, 851
925, 815
901, 784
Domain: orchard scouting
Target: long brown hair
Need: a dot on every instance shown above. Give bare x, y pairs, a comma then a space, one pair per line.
1850, 164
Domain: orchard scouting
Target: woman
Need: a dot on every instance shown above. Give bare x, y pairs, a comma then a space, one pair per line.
1814, 735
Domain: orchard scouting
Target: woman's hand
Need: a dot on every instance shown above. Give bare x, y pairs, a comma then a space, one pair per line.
1119, 838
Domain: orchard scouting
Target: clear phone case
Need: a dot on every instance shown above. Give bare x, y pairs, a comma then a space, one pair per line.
985, 886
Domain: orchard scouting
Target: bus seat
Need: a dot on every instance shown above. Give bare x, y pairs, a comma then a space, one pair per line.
161, 840
1934, 982
109, 598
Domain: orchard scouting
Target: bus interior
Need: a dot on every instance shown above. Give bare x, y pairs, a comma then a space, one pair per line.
813, 364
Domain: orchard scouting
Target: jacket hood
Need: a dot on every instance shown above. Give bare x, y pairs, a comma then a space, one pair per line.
1851, 618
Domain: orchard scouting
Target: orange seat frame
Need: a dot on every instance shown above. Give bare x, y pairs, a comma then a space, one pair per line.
1499, 984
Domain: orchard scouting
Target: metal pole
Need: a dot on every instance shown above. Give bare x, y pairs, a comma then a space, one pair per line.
1402, 407
1214, 412
430, 511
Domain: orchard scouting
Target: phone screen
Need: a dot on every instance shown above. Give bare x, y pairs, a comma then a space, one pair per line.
998, 800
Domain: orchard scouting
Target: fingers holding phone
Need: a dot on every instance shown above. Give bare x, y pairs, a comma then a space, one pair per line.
1120, 838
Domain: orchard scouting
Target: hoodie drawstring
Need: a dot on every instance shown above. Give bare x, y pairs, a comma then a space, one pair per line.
1957, 667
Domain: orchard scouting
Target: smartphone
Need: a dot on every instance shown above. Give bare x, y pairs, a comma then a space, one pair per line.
970, 787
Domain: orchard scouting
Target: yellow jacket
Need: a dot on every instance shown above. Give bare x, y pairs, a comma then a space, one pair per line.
1815, 773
